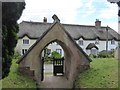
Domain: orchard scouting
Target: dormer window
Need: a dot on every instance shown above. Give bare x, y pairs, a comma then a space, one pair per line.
97, 41
25, 41
80, 42
113, 42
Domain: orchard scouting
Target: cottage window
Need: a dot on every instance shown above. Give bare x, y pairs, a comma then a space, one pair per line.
113, 42
25, 41
24, 51
97, 41
59, 51
48, 51
80, 42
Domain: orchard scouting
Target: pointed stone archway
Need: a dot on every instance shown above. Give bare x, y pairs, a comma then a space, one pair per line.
75, 59
67, 55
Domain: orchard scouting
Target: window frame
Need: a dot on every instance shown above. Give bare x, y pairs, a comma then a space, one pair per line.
59, 51
81, 42
48, 51
112, 42
26, 41
24, 51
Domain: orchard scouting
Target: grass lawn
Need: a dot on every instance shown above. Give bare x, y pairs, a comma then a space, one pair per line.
102, 74
16, 80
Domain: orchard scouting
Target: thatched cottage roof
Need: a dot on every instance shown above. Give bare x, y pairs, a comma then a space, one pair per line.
87, 32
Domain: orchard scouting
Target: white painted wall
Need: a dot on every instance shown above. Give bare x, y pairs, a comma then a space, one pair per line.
54, 46
111, 46
101, 45
21, 46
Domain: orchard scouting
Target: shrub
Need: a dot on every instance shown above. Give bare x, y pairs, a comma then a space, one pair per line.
104, 54
17, 55
55, 55
93, 56
111, 53
48, 60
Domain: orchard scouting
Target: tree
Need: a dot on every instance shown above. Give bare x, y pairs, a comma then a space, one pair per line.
11, 12
55, 55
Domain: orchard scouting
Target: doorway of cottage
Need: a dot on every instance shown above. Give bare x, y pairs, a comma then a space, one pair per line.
52, 61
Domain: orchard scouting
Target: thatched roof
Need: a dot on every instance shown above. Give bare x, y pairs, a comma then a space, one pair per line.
91, 45
43, 35
87, 32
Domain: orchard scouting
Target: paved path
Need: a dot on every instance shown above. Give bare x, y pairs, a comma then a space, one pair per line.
51, 81
55, 82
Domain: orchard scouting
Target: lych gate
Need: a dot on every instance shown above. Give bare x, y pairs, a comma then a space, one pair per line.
58, 66
75, 60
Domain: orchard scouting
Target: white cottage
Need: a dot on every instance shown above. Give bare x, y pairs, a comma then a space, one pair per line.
92, 39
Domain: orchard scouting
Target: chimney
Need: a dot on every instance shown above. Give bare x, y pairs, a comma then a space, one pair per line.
97, 23
45, 20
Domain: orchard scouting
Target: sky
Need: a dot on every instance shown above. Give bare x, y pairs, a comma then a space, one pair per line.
81, 12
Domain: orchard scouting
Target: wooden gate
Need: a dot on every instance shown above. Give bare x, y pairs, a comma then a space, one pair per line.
42, 69
58, 65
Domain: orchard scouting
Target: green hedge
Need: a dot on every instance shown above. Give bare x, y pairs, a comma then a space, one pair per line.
104, 54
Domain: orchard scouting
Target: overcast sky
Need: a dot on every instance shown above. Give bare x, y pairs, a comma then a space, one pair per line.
82, 12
